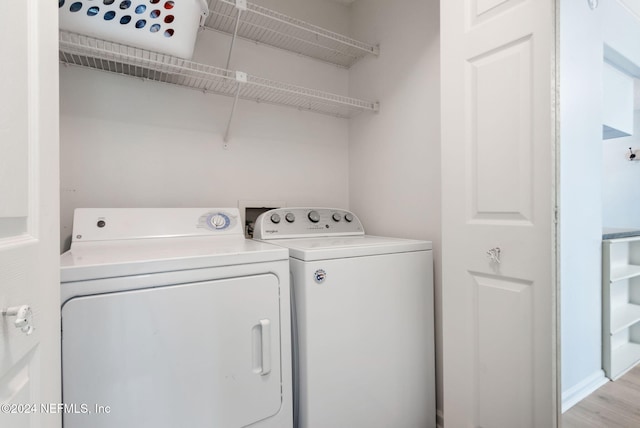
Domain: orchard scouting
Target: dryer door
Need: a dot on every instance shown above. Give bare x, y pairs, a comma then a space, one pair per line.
195, 355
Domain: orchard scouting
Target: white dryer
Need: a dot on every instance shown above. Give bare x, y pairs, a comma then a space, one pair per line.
170, 318
363, 321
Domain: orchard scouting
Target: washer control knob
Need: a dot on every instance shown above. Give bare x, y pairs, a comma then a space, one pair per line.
218, 221
348, 217
313, 216
290, 217
336, 217
275, 218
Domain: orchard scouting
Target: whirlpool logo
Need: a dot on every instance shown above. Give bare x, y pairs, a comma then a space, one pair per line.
319, 276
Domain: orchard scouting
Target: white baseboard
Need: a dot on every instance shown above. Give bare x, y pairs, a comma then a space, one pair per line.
439, 418
577, 393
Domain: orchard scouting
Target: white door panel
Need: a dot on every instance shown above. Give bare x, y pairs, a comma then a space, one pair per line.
29, 200
201, 354
14, 132
500, 139
498, 180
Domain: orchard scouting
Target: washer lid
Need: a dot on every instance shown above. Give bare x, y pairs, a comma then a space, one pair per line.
108, 259
309, 249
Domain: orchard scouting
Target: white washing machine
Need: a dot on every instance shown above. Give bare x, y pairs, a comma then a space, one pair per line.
363, 321
171, 318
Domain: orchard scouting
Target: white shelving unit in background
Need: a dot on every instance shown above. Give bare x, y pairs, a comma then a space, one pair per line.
620, 305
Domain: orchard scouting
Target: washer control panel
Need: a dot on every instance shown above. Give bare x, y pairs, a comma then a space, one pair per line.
283, 223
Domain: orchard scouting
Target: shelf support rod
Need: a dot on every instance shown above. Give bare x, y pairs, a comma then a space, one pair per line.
241, 5
241, 78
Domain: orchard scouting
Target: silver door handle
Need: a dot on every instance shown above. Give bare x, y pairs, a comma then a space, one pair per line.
494, 255
24, 317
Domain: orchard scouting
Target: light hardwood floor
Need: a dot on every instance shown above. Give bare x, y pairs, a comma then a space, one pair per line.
614, 405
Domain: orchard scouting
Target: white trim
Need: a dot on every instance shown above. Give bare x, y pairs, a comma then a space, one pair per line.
577, 393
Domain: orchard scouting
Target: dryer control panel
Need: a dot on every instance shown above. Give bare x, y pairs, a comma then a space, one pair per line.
283, 223
107, 224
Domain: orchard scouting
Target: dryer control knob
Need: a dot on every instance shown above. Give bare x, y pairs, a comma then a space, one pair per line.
275, 218
290, 217
348, 217
336, 217
218, 221
313, 216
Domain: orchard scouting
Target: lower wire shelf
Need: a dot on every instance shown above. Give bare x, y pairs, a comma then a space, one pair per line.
86, 51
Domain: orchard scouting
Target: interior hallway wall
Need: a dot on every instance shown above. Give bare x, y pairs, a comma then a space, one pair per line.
127, 142
586, 180
581, 54
394, 156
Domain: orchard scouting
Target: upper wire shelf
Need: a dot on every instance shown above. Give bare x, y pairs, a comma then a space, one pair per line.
81, 50
263, 25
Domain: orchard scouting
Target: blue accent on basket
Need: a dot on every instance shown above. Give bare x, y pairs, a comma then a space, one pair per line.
76, 6
109, 15
125, 19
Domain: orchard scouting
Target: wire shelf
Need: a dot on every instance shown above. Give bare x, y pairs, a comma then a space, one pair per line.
85, 51
272, 28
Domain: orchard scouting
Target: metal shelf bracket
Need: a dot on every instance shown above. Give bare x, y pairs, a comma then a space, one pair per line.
241, 79
241, 6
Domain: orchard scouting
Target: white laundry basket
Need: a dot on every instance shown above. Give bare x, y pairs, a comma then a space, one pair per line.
167, 26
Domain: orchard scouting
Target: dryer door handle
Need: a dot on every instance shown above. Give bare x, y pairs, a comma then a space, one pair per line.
265, 344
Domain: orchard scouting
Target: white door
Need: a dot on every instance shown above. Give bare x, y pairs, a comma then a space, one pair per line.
29, 237
498, 172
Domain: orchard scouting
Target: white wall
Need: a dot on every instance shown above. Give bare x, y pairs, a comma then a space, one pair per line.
621, 180
581, 53
590, 170
394, 156
126, 142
